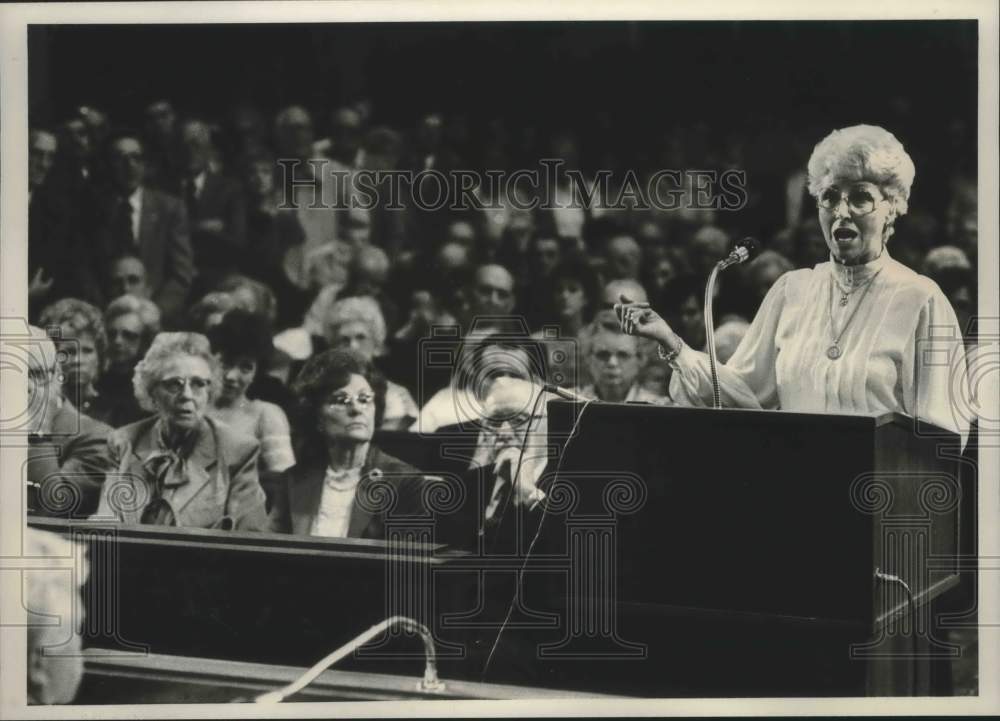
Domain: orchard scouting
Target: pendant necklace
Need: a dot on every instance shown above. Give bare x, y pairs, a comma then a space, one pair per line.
845, 295
834, 351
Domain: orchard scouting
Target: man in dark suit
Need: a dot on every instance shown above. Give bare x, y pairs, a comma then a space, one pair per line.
150, 224
504, 498
67, 461
216, 209
56, 267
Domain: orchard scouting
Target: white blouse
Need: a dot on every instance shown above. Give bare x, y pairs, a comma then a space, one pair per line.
902, 351
333, 517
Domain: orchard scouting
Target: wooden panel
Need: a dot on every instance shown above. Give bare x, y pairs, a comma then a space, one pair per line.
119, 678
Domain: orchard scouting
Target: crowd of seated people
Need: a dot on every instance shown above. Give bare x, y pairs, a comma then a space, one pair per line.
249, 330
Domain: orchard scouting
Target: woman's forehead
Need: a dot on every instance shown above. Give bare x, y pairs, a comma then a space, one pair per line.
185, 365
845, 182
355, 383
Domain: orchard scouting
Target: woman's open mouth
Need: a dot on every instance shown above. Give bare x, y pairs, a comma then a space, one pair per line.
844, 235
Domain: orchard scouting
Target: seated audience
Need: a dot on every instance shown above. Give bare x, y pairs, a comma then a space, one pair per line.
624, 258
659, 273
369, 277
335, 488
491, 296
708, 246
614, 360
535, 286
127, 276
57, 265
761, 273
148, 223
215, 208
727, 339
131, 325
209, 310
683, 302
243, 343
181, 467
610, 294
482, 359
66, 459
574, 296
357, 324
77, 328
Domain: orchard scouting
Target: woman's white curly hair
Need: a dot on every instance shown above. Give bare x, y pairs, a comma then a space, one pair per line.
357, 309
165, 346
864, 153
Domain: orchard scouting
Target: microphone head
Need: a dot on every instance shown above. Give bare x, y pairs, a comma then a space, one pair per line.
747, 249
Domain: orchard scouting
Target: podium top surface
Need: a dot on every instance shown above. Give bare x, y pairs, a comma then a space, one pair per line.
780, 417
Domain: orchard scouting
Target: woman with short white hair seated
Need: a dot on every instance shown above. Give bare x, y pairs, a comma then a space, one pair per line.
357, 324
860, 332
131, 324
180, 467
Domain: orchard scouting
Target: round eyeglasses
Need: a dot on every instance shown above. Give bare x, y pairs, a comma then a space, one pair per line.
859, 200
342, 400
176, 385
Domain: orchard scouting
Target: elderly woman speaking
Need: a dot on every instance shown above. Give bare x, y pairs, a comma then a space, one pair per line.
180, 467
859, 333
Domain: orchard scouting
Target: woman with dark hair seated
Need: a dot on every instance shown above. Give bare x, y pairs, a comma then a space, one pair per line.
243, 343
575, 293
343, 485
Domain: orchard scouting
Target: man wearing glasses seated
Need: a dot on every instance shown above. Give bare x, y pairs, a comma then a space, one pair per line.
66, 459
503, 494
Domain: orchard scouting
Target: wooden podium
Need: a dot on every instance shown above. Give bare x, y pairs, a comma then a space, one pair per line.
769, 550
683, 553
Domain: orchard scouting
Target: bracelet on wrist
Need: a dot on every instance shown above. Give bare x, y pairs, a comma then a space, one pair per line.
668, 356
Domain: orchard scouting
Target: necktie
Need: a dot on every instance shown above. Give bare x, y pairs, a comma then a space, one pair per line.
500, 492
124, 236
191, 196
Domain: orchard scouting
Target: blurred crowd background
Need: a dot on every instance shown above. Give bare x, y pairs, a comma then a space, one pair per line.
198, 116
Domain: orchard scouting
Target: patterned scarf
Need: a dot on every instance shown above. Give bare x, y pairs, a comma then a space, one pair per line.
167, 466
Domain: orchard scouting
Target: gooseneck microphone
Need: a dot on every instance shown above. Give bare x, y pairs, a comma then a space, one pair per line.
744, 250
564, 393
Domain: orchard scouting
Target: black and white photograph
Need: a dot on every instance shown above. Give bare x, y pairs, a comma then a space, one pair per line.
498, 359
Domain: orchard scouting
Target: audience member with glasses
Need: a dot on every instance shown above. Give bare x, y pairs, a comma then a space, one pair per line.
343, 485
66, 460
614, 361
858, 333
180, 467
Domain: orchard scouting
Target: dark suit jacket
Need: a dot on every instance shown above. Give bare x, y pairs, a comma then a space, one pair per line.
66, 469
297, 496
163, 244
220, 198
221, 491
57, 244
468, 528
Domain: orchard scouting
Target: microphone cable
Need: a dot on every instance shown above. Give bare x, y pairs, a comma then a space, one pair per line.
516, 474
534, 539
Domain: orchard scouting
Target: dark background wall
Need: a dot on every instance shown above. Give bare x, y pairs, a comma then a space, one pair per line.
618, 74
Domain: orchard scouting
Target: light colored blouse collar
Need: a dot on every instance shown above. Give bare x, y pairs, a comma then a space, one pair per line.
851, 276
344, 480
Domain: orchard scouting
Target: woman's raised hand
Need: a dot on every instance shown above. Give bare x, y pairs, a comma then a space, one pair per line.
641, 320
